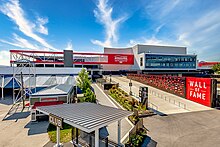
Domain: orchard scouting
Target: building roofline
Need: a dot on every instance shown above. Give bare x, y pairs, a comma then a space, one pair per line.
160, 46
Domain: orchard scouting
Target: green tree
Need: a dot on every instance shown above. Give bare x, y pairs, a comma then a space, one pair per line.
83, 81
89, 96
216, 68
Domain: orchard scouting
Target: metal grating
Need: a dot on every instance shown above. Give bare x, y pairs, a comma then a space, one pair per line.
86, 116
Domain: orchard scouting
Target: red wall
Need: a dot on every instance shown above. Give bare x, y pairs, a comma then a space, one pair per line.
199, 90
120, 59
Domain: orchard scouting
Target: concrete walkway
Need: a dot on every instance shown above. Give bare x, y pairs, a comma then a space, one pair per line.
165, 102
126, 125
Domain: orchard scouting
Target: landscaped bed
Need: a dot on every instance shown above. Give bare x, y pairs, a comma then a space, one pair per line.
138, 133
65, 133
128, 102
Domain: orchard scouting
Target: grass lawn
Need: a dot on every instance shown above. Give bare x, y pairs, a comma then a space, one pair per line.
65, 133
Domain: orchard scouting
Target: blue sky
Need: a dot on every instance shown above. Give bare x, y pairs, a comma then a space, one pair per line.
88, 25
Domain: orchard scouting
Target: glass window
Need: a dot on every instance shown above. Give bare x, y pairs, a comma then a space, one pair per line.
166, 61
141, 61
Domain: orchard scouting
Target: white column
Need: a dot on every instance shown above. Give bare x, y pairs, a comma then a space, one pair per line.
13, 90
3, 86
97, 138
119, 132
58, 136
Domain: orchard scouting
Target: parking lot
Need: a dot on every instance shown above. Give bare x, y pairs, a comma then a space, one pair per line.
17, 130
197, 129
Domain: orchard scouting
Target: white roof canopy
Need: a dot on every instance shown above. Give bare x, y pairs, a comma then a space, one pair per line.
61, 89
86, 116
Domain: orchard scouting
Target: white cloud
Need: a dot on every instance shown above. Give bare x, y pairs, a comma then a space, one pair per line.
41, 28
13, 10
20, 42
103, 14
69, 46
193, 24
201, 36
150, 41
161, 8
4, 57
183, 38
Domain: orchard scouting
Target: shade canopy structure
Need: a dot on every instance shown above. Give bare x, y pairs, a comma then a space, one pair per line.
7, 82
61, 89
38, 81
87, 117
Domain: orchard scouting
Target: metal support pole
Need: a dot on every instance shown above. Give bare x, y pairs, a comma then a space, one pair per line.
72, 133
13, 90
3, 78
97, 138
119, 132
58, 136
106, 142
90, 140
77, 135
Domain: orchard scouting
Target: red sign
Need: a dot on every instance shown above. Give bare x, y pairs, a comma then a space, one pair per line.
48, 99
199, 90
120, 59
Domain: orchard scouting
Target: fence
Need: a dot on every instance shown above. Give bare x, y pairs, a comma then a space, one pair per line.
168, 99
171, 84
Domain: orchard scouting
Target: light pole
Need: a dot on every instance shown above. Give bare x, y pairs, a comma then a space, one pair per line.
110, 77
130, 85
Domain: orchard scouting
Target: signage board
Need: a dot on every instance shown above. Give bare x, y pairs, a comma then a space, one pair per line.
56, 121
49, 99
120, 59
199, 90
143, 94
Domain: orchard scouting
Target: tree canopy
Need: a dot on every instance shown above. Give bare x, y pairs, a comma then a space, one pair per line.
89, 96
216, 68
83, 81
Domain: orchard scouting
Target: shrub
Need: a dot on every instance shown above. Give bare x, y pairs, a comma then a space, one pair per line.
89, 96
135, 141
65, 133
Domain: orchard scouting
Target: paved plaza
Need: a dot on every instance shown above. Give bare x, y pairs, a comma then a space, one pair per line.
193, 129
17, 130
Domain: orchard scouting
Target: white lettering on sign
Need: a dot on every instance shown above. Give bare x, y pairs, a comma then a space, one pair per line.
196, 89
121, 59
57, 121
198, 84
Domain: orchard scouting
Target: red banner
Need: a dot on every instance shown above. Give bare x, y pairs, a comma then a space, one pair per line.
49, 99
120, 59
199, 90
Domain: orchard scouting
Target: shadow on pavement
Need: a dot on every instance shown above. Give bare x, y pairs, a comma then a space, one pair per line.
158, 112
149, 142
6, 101
37, 127
50, 144
18, 115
